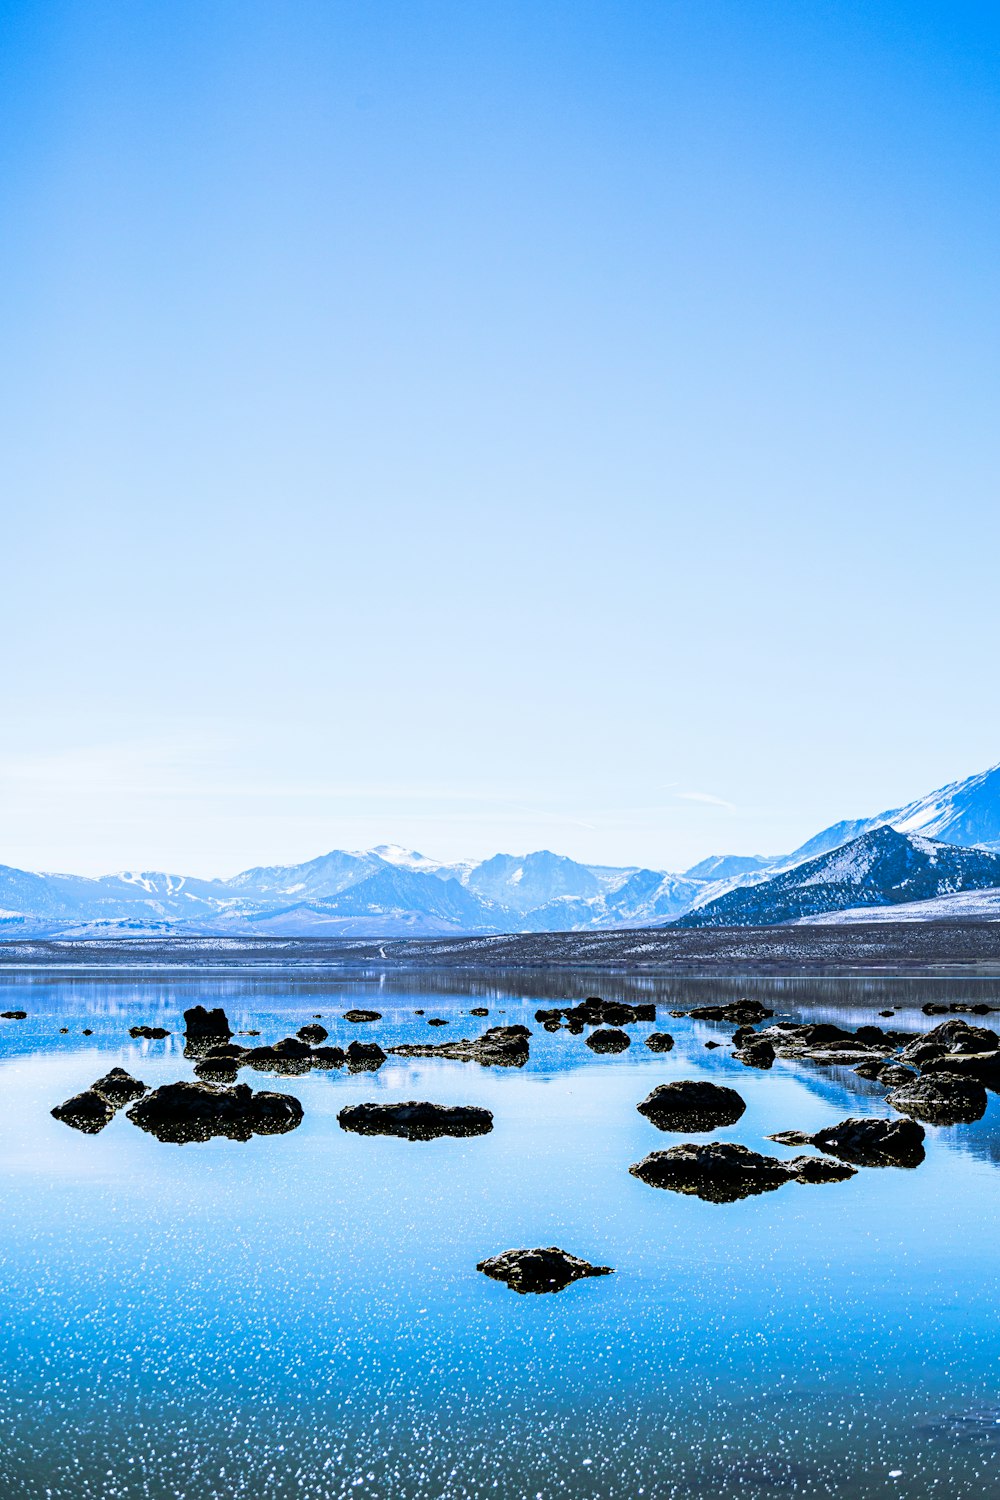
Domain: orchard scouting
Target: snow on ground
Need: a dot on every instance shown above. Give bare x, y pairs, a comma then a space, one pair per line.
962, 906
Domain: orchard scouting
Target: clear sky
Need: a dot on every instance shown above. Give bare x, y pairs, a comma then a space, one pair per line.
492, 425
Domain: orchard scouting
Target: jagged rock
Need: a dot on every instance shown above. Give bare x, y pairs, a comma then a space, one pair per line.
364, 1057
817, 1169
149, 1033
894, 1075
329, 1057
313, 1034
13, 1015
941, 1099
715, 1171
499, 1047
756, 1054
87, 1112
597, 1012
119, 1088
608, 1040
959, 1036
183, 1112
791, 1138
543, 1270
360, 1016
199, 1022
919, 1052
660, 1041
870, 1068
414, 1121
740, 1012
873, 1142
692, 1104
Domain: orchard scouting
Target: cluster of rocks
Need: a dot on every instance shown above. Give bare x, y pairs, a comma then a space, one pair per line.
415, 1120
13, 1015
499, 1047
594, 1012
218, 1059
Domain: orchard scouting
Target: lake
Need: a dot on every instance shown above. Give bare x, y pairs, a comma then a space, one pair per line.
301, 1315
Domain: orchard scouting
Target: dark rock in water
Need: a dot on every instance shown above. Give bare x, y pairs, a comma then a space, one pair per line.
935, 1010
919, 1052
597, 1012
184, 1112
887, 1012
479, 1010
364, 1057
328, 1057
984, 1066
87, 1112
13, 1015
86, 1031
419, 1012
248, 1033
894, 1075
817, 1169
119, 1088
199, 1022
941, 1099
414, 1121
791, 1138
548, 1270
870, 1068
436, 1021
149, 1033
499, 1047
660, 1041
756, 1054
959, 1036
608, 1040
360, 1016
216, 1070
713, 1046
64, 1031
740, 1012
313, 1034
873, 1142
692, 1104
715, 1171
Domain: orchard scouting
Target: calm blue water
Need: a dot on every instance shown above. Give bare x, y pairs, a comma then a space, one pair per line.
301, 1315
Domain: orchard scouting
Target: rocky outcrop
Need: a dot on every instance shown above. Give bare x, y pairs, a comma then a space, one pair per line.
499, 1047
723, 1172
13, 1015
149, 1033
312, 1034
543, 1270
865, 1142
204, 1029
660, 1041
608, 1039
416, 1121
364, 1057
181, 1113
739, 1012
758, 1053
983, 1066
360, 1017
88, 1112
595, 1012
692, 1104
941, 1099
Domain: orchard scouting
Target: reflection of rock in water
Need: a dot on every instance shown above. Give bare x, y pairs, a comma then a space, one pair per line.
416, 1121
499, 1047
692, 1104
87, 1112
865, 1142
186, 1112
541, 1270
722, 1171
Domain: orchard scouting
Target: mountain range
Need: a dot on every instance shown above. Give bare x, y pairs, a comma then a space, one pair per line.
934, 850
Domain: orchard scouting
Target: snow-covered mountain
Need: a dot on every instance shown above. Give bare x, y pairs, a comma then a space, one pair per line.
879, 868
391, 890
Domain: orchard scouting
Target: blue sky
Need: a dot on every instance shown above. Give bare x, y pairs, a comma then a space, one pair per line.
492, 426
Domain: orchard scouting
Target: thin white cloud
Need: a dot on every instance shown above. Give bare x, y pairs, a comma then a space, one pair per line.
706, 797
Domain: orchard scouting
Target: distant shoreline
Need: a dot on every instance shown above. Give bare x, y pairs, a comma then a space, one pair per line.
876, 947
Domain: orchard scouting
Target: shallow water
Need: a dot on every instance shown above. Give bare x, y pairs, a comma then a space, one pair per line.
301, 1315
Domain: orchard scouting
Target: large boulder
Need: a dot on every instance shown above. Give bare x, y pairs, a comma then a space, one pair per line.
88, 1112
13, 1015
543, 1270
758, 1053
983, 1066
723, 1172
499, 1047
185, 1112
199, 1022
941, 1099
119, 1088
312, 1034
660, 1041
361, 1017
608, 1039
416, 1121
692, 1104
364, 1057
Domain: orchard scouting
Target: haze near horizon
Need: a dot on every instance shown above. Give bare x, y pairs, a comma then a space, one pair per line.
486, 429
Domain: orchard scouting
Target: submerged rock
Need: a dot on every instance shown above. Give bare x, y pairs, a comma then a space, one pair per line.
119, 1088
542, 1270
313, 1034
88, 1112
740, 1012
692, 1104
149, 1033
184, 1112
608, 1040
941, 1099
358, 1017
415, 1121
660, 1041
499, 1047
723, 1172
